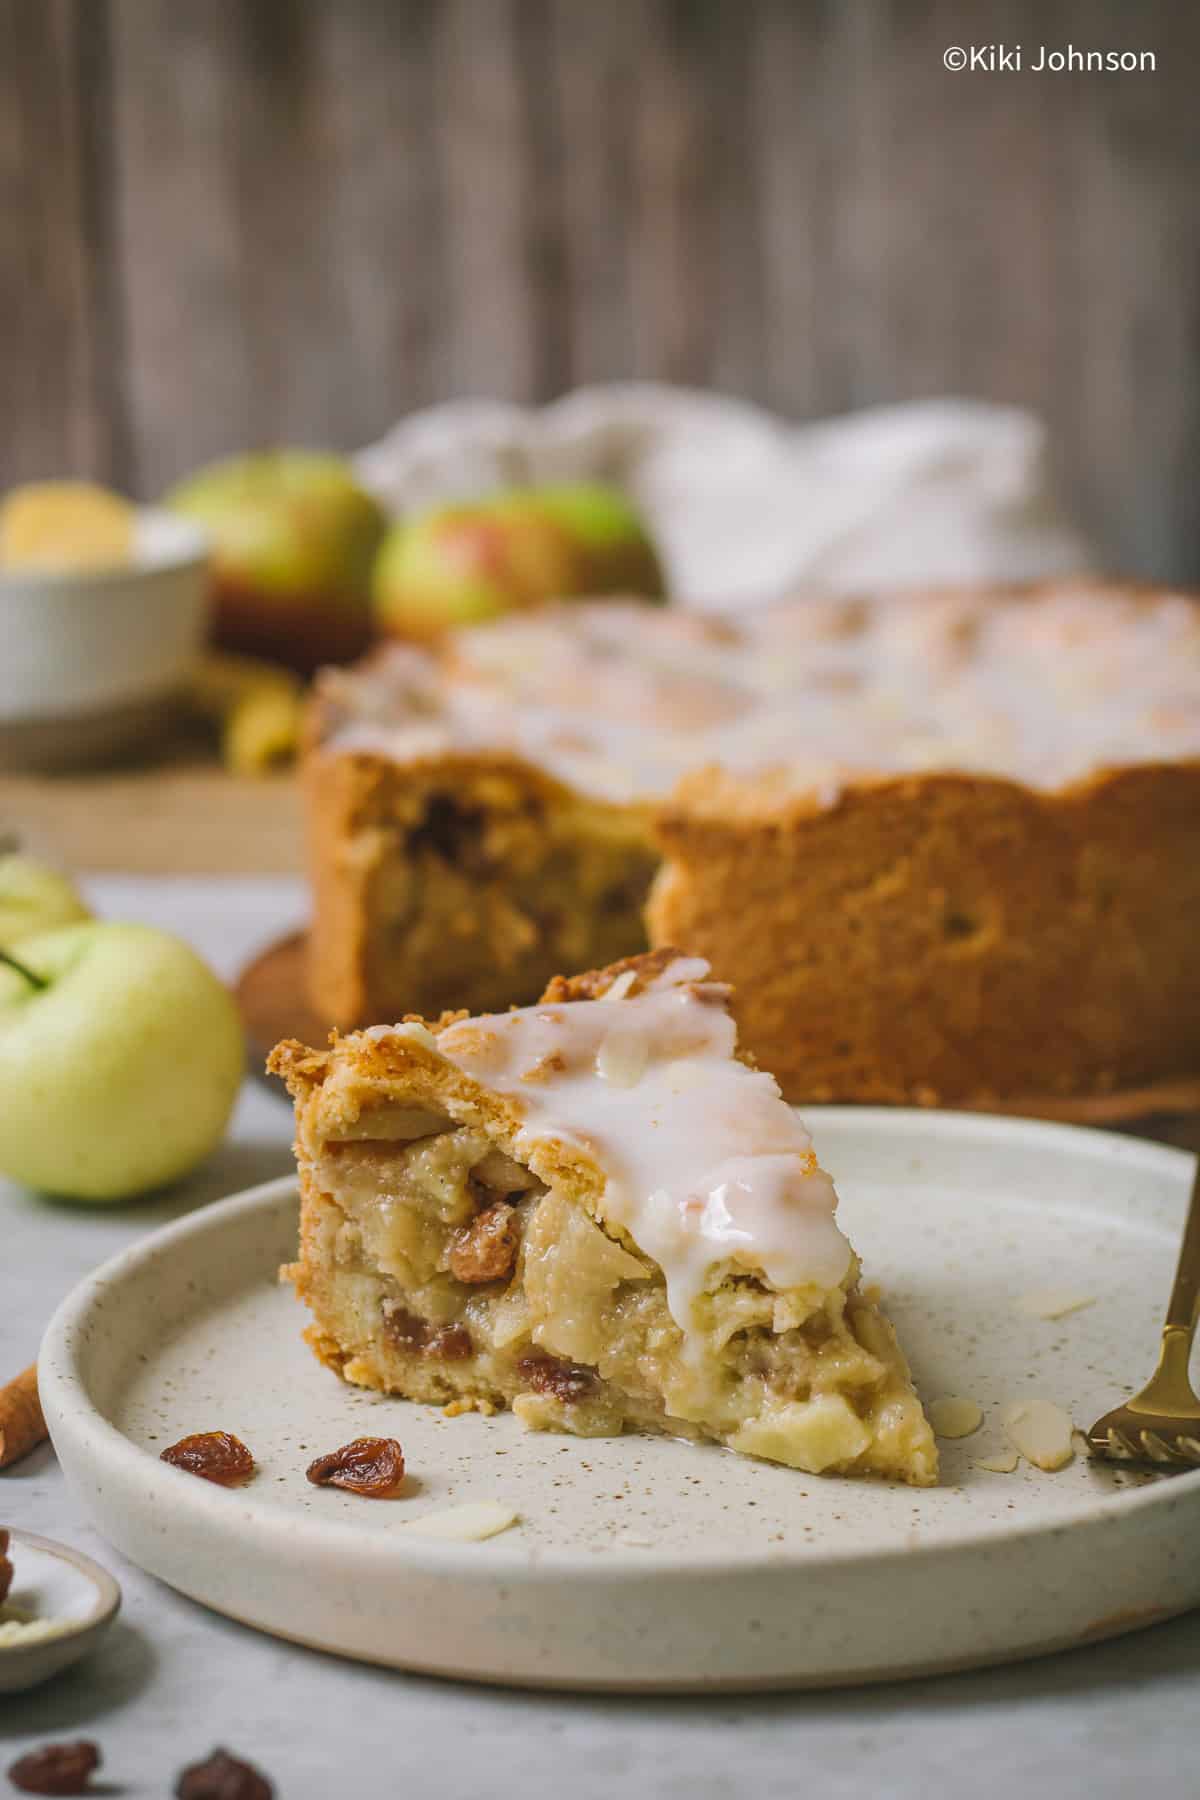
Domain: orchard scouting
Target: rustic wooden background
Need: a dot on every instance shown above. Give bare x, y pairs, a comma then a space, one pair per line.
226, 222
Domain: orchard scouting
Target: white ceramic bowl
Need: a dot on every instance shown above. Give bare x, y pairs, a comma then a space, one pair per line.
64, 1587
90, 661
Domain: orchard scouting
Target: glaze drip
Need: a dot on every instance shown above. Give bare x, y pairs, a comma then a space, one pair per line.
706, 1167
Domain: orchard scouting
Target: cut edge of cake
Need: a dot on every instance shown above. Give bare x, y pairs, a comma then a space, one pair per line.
897, 933
470, 873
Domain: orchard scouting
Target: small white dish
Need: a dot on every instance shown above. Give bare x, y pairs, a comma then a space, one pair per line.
639, 1563
56, 1585
93, 659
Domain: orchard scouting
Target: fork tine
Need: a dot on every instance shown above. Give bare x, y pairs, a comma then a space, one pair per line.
1135, 1444
1159, 1424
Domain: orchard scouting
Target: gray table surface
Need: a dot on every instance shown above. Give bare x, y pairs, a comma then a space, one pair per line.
174, 1678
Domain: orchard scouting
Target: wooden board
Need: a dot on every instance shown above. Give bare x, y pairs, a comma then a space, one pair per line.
271, 996
181, 815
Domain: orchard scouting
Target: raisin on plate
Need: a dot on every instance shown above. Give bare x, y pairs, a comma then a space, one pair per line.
370, 1466
216, 1455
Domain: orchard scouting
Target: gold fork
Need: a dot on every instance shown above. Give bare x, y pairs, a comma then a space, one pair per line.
1162, 1423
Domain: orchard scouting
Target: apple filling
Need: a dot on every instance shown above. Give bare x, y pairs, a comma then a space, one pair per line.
444, 1270
489, 890
591, 1210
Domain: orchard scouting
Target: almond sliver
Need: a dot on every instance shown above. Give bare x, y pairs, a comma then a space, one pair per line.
1053, 1303
1041, 1432
622, 1057
955, 1416
1002, 1462
466, 1524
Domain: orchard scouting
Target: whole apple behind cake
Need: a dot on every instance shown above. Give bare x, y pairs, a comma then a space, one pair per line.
592, 1211
946, 847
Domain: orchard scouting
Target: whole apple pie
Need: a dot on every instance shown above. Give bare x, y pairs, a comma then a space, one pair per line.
945, 846
592, 1211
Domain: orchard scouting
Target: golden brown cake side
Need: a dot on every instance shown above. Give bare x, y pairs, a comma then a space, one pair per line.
484, 1210
895, 931
463, 876
946, 939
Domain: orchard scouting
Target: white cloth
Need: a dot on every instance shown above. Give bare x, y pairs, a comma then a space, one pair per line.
745, 506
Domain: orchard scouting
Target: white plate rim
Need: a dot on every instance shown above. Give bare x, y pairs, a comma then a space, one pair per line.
70, 1409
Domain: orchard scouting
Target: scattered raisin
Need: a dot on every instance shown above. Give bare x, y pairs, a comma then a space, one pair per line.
405, 1330
449, 1343
565, 1380
216, 1455
452, 1343
371, 1466
453, 832
223, 1777
6, 1568
486, 1249
56, 1769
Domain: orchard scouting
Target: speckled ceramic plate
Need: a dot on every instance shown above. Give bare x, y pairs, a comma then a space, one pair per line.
642, 1563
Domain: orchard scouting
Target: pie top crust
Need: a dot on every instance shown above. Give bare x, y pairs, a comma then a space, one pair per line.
624, 1084
620, 701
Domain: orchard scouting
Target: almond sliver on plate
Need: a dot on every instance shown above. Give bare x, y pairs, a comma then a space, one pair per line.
1041, 1431
466, 1524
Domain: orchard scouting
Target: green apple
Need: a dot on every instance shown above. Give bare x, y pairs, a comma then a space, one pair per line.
460, 565
293, 538
34, 897
120, 1061
616, 553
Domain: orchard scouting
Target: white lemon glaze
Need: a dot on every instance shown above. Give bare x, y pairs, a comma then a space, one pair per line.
706, 1166
620, 701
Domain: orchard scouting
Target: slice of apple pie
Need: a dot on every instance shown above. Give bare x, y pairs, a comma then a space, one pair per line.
591, 1211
